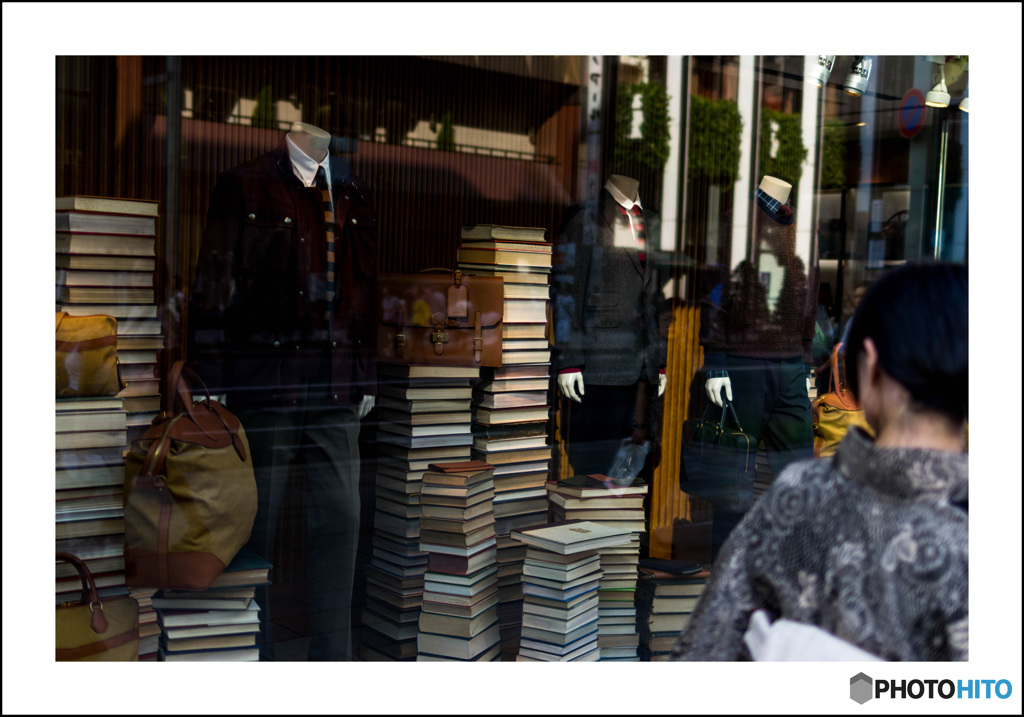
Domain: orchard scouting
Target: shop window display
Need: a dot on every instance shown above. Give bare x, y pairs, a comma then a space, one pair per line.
697, 227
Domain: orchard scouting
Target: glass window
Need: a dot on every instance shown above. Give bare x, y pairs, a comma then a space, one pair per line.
671, 232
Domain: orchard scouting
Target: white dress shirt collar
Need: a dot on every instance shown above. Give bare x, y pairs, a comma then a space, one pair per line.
621, 198
305, 166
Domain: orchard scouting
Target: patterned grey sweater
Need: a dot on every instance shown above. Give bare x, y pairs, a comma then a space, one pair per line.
870, 545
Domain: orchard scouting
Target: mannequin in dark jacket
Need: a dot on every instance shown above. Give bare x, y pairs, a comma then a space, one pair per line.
757, 341
297, 364
611, 357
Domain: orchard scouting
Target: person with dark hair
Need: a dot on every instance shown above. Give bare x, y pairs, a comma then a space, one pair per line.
869, 545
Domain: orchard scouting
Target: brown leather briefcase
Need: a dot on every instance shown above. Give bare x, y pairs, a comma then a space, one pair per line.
446, 319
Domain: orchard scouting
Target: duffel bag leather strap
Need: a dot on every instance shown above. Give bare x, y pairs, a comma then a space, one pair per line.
90, 595
179, 389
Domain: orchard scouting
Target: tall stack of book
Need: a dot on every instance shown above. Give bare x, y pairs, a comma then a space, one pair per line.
149, 625
597, 499
424, 417
511, 403
459, 616
105, 264
90, 441
219, 624
561, 574
667, 592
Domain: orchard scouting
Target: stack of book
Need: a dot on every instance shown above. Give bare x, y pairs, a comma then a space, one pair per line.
149, 625
105, 264
219, 624
511, 404
667, 592
91, 438
459, 616
561, 574
597, 499
424, 417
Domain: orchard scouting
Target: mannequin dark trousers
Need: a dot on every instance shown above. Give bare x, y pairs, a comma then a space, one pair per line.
598, 424
323, 439
770, 398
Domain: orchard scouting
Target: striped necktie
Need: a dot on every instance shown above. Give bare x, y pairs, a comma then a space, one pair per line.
638, 231
325, 193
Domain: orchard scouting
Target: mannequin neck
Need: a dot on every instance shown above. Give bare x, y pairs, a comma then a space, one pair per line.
311, 141
623, 189
776, 188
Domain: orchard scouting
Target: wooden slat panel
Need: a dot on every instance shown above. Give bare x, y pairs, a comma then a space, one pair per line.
668, 502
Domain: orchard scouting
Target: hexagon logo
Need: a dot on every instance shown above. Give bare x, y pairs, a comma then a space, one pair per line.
860, 688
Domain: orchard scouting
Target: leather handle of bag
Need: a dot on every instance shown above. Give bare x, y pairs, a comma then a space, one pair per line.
90, 595
456, 274
836, 384
436, 270
181, 389
727, 407
172, 383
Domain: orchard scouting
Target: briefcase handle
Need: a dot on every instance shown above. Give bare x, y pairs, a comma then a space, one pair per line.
727, 407
456, 274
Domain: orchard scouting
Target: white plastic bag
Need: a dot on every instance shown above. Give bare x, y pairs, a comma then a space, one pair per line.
629, 461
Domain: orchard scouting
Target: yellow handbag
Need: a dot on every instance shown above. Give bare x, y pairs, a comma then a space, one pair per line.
92, 629
87, 356
835, 412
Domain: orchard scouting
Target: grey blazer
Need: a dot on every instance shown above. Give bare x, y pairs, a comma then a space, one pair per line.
613, 333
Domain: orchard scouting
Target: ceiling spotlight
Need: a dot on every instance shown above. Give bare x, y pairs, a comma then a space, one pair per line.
938, 96
963, 105
825, 63
857, 79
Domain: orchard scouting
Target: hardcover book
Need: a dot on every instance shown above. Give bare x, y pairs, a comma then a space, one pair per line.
85, 222
572, 536
500, 231
108, 205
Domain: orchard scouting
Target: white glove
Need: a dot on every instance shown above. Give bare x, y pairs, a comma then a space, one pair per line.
571, 385
662, 382
366, 406
713, 387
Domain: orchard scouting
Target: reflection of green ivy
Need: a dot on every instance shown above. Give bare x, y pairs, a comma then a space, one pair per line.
833, 155
788, 162
715, 127
446, 134
265, 113
651, 150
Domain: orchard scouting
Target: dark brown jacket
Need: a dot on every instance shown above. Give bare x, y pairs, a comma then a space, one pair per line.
256, 315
